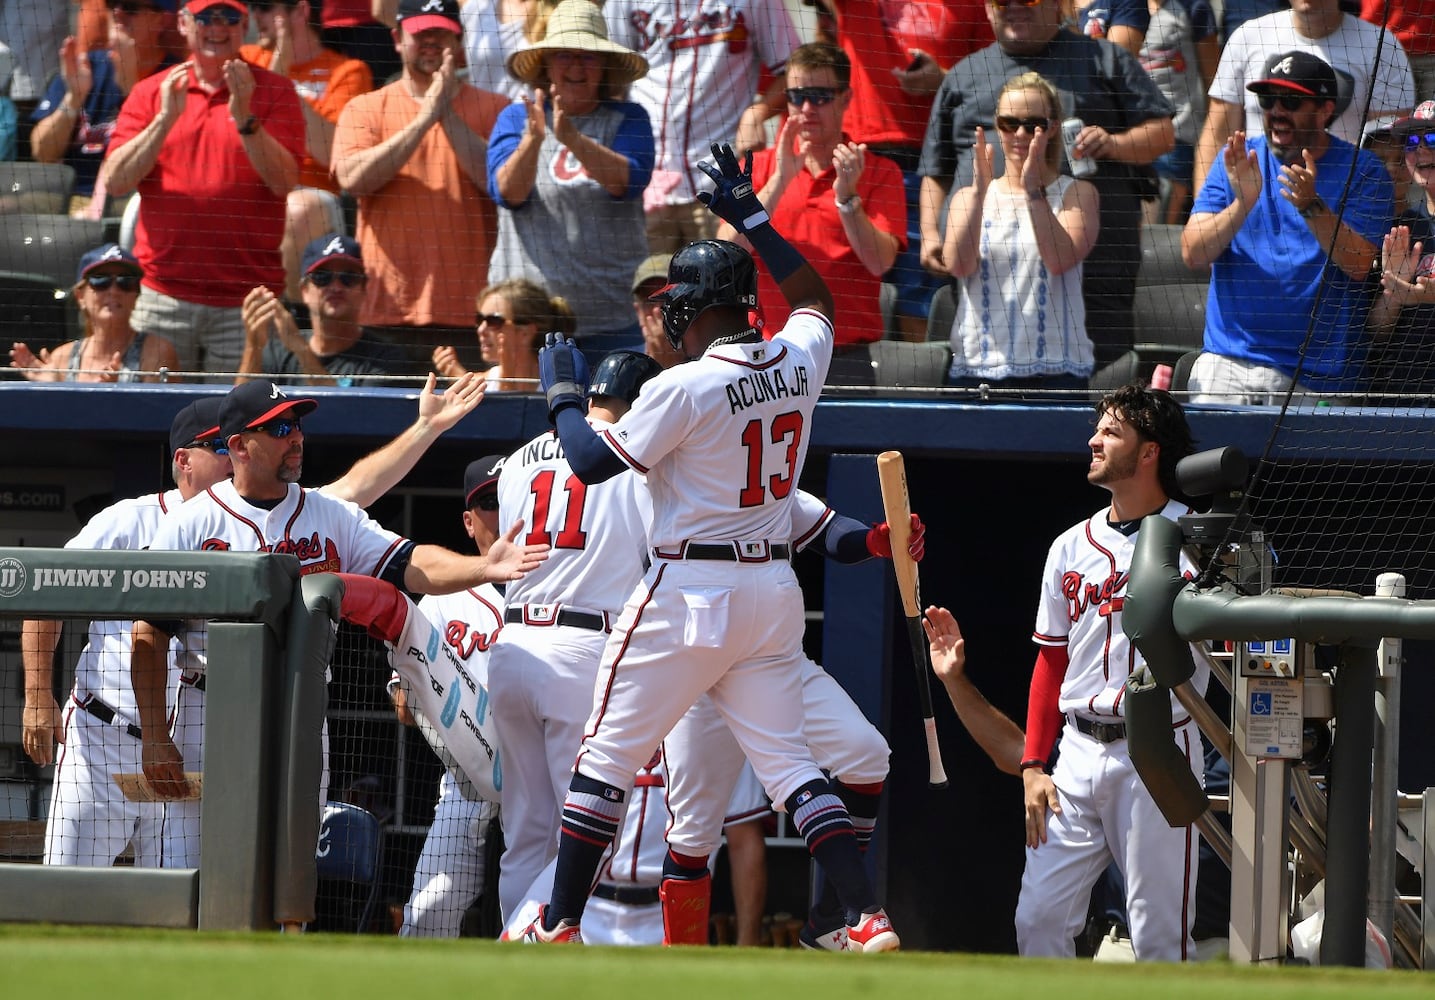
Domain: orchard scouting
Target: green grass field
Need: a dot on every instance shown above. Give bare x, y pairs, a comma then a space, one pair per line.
45, 963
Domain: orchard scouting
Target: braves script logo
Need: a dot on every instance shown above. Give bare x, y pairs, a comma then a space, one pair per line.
707, 27
307, 550
465, 640
1081, 595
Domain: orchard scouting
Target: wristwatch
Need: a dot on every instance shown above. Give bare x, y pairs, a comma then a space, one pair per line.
250, 126
849, 206
1316, 204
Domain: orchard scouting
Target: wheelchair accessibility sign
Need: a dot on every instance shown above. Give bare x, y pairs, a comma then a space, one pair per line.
1274, 717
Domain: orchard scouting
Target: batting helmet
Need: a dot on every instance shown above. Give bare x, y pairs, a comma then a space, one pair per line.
702, 275
622, 374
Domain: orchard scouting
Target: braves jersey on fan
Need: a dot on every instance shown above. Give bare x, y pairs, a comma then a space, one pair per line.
743, 419
325, 534
1083, 588
103, 670
598, 533
704, 60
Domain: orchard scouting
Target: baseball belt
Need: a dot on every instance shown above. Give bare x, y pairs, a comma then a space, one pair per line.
196, 682
1102, 732
566, 616
748, 552
629, 895
107, 715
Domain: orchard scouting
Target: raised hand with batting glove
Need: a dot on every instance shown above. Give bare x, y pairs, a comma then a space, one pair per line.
732, 199
879, 540
562, 373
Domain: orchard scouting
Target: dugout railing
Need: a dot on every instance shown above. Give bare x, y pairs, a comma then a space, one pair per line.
270, 637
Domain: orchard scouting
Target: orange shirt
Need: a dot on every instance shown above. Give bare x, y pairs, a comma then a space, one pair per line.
327, 83
428, 233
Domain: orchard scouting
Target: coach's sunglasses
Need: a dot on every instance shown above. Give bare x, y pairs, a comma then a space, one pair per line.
278, 428
1288, 102
218, 445
228, 16
349, 279
1416, 139
1011, 125
124, 282
816, 96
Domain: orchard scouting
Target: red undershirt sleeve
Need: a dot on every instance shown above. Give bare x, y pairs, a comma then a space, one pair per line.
1043, 720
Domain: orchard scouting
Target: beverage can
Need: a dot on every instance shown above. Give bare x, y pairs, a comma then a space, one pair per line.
1070, 130
1161, 377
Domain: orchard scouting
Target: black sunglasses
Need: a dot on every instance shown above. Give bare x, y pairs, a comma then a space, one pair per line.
492, 319
1288, 102
217, 445
349, 279
486, 501
125, 282
278, 428
1414, 140
816, 96
1010, 124
218, 15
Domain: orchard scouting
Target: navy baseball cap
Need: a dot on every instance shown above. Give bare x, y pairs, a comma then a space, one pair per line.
199, 421
108, 254
1298, 72
420, 15
481, 475
250, 404
332, 246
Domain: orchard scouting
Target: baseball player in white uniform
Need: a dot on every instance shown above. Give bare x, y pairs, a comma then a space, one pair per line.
543, 667
90, 821
1105, 812
449, 876
721, 441
705, 58
262, 509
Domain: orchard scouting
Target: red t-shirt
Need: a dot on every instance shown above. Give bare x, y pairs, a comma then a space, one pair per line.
807, 217
1411, 22
346, 13
876, 35
209, 227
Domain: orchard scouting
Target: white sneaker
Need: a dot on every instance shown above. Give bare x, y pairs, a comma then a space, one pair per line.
873, 933
814, 940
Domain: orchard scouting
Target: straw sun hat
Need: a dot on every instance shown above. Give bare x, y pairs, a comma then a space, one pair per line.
578, 25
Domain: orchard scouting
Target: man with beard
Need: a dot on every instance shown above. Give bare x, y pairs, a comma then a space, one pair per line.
1093, 809
1282, 310
336, 349
415, 154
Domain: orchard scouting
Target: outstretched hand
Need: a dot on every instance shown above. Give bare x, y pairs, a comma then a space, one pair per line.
457, 401
732, 198
508, 560
562, 373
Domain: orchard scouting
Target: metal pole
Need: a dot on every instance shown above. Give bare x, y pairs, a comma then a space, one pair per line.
1385, 790
1347, 870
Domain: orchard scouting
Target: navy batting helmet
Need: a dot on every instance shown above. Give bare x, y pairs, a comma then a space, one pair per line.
702, 275
622, 374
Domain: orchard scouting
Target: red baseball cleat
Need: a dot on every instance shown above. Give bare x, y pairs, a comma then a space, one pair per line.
564, 933
873, 933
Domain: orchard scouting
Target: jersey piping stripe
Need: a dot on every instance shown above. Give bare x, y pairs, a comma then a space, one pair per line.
822, 522
1110, 619
389, 555
1050, 640
159, 499
618, 659
623, 454
748, 364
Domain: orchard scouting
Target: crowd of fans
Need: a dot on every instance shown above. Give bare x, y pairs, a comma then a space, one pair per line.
468, 144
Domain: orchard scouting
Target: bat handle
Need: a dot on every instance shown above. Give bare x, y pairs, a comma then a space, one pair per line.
936, 774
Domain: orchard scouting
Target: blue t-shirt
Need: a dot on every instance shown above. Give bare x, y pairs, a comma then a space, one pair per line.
97, 121
1097, 19
1265, 286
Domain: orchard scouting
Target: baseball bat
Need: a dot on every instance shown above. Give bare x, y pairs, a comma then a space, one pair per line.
892, 474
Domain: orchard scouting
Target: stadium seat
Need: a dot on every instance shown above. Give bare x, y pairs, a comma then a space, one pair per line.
1181, 375
36, 188
51, 245
1170, 305
897, 363
943, 314
37, 312
350, 842
1121, 371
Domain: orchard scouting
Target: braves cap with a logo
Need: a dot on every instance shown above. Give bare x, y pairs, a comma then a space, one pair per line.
421, 15
480, 475
250, 404
1422, 119
199, 421
110, 254
1298, 72
332, 246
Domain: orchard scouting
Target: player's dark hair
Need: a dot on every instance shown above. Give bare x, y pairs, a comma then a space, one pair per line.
1156, 416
